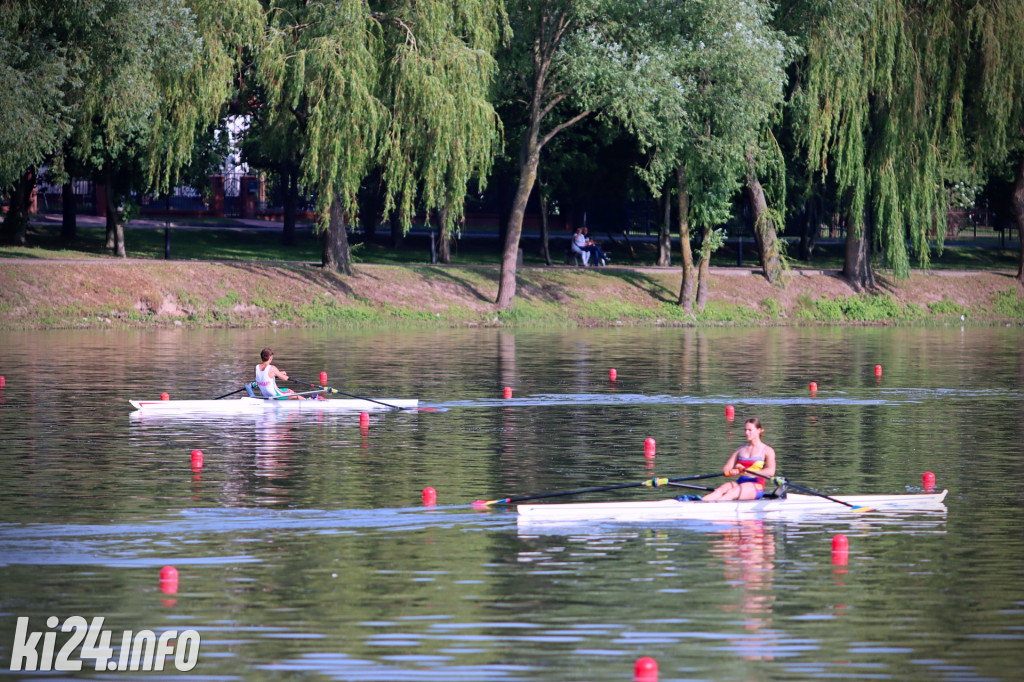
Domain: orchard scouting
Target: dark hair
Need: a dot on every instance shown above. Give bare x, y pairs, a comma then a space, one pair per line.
266, 354
756, 422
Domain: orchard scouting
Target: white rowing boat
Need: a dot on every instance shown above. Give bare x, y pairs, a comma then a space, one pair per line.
672, 509
256, 405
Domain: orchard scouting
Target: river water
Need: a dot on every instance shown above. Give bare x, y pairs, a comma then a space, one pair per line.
303, 547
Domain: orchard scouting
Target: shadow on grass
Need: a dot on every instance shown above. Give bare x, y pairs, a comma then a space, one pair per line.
444, 274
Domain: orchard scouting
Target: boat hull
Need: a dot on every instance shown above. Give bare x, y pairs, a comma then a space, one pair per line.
671, 509
258, 405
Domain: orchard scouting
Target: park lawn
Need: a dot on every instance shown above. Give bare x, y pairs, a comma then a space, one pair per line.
264, 244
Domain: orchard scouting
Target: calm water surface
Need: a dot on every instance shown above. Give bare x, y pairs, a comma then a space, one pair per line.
303, 548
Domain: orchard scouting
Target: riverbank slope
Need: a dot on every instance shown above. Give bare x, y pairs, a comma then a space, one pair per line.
101, 292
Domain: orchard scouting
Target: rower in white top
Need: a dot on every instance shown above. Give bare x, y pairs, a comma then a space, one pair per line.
266, 378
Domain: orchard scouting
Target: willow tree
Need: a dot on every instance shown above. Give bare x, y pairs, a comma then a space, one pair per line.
988, 69
398, 85
722, 77
876, 106
159, 75
35, 68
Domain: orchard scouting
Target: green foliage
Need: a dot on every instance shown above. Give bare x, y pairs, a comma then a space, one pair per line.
771, 308
1009, 303
945, 307
399, 85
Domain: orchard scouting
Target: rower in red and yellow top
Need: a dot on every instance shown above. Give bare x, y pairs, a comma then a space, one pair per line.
755, 456
266, 376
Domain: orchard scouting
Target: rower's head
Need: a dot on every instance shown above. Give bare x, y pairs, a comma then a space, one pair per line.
266, 354
753, 427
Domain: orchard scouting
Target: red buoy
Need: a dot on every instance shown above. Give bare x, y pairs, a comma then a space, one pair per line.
840, 550
364, 419
612, 375
730, 412
928, 479
814, 387
650, 447
323, 378
878, 370
429, 497
197, 459
507, 393
3, 382
165, 396
645, 670
169, 580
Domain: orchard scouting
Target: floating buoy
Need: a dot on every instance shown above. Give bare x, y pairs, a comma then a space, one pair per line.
169, 580
840, 550
928, 479
878, 370
3, 382
612, 375
165, 396
364, 419
650, 447
645, 670
197, 459
507, 393
429, 497
730, 412
323, 378
814, 387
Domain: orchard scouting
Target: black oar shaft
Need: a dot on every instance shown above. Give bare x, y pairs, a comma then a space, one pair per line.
807, 490
328, 389
227, 394
650, 483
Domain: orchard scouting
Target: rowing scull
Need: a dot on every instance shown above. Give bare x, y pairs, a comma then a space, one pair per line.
672, 509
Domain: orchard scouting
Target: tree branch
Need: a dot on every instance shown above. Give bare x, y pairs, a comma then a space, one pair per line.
562, 126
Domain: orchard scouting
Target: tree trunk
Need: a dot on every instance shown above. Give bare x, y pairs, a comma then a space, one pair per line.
703, 283
527, 175
857, 265
69, 215
444, 253
1017, 201
108, 186
15, 230
337, 257
290, 182
115, 228
665, 230
545, 247
397, 231
809, 233
686, 288
764, 229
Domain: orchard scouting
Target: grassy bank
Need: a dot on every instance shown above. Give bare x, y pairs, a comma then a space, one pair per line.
244, 277
89, 293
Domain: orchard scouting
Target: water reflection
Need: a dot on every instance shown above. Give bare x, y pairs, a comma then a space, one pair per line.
747, 554
303, 547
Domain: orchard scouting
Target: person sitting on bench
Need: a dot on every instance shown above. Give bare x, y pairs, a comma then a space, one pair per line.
597, 256
579, 246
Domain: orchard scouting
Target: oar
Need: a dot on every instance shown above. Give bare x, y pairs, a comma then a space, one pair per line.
328, 389
854, 507
649, 483
227, 394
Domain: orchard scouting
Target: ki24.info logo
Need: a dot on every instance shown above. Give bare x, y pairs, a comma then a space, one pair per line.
142, 650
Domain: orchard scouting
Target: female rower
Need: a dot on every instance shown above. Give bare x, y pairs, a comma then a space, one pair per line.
754, 456
266, 375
